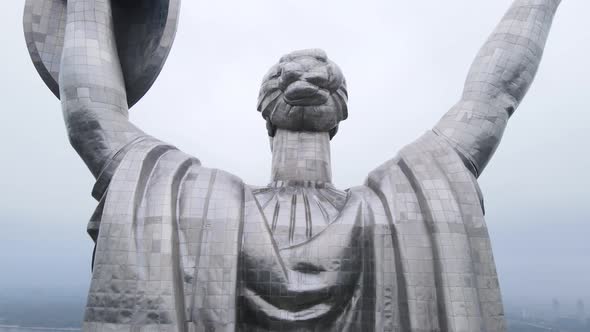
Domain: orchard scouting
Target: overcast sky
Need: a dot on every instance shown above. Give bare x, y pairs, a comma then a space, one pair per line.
405, 63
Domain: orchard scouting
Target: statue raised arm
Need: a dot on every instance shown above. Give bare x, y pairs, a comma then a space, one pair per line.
497, 82
99, 57
91, 85
182, 247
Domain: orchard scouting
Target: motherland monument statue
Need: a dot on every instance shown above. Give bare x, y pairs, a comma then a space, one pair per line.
183, 247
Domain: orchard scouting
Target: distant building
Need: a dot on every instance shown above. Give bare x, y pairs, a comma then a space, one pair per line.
556, 309
580, 311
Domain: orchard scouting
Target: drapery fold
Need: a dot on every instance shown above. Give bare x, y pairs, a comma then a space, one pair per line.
176, 243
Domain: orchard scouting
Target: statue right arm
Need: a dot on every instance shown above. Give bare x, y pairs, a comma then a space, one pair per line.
497, 82
92, 88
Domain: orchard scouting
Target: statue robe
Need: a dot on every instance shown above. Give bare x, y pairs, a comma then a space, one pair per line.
181, 247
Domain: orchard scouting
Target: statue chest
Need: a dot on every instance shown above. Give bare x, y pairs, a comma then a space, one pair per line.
301, 253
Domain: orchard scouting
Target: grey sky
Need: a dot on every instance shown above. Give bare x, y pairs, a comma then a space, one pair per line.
405, 62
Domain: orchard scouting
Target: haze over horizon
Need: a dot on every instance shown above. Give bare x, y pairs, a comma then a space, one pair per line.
405, 64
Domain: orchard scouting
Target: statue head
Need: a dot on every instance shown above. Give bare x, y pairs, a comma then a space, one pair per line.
305, 91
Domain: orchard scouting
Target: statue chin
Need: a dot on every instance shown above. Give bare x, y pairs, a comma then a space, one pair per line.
302, 118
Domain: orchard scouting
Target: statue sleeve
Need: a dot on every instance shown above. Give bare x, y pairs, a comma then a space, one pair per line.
497, 82
440, 240
144, 152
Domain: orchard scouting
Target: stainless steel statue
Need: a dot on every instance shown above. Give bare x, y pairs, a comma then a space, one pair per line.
182, 247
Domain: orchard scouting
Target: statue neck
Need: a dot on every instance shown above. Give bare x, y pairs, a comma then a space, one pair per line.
301, 156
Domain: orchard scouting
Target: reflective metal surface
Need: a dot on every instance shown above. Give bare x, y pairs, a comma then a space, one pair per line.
182, 247
145, 32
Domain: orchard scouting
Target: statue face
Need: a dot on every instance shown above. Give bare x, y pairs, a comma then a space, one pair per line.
305, 91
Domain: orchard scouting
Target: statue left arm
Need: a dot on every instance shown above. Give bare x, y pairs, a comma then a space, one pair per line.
92, 87
498, 81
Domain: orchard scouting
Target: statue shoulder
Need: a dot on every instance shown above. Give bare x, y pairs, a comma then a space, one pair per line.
424, 155
428, 167
211, 194
225, 180
147, 159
